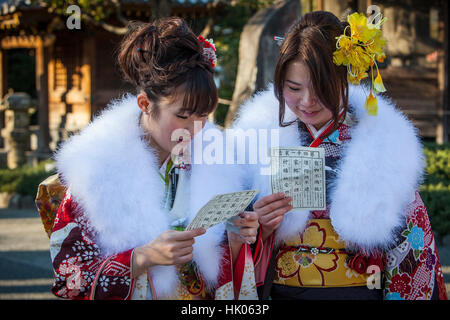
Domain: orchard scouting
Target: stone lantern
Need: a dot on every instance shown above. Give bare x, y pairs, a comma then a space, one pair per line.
15, 134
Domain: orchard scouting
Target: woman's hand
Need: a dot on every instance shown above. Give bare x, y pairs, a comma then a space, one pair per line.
248, 223
169, 248
271, 210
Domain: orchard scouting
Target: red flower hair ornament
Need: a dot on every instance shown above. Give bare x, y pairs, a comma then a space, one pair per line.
209, 50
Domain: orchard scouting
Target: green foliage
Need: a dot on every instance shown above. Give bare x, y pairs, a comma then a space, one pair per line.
438, 161
435, 191
97, 9
24, 180
256, 4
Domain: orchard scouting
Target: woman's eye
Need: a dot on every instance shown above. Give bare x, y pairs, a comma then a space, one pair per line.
293, 89
182, 117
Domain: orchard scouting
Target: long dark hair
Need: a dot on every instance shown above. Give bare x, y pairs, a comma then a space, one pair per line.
161, 56
312, 41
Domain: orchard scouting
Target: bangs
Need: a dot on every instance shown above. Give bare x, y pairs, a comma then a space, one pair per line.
200, 96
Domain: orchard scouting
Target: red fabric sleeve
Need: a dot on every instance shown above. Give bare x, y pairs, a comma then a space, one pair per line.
261, 257
238, 270
80, 270
233, 271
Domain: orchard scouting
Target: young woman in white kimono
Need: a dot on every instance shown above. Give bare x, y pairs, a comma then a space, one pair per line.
118, 233
375, 219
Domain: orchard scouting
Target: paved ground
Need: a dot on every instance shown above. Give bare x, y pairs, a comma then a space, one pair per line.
25, 267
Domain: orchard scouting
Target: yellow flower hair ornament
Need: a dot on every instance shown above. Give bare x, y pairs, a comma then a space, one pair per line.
361, 50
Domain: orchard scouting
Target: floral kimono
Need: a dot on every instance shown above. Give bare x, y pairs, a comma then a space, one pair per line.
374, 240
116, 199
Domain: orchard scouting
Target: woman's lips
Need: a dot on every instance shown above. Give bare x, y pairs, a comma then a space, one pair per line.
309, 114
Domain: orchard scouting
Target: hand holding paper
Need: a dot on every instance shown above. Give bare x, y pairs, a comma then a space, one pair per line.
243, 228
222, 207
299, 172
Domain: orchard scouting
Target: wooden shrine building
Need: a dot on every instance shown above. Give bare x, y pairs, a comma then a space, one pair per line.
70, 74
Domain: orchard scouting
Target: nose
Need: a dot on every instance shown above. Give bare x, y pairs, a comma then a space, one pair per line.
196, 125
308, 99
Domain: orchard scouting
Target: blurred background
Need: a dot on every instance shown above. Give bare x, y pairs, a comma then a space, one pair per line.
58, 70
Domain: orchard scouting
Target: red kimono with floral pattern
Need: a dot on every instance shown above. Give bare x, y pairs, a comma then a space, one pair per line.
81, 272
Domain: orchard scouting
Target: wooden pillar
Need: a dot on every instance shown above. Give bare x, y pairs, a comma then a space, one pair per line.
363, 5
2, 90
3, 73
442, 128
320, 5
87, 71
42, 95
340, 8
445, 74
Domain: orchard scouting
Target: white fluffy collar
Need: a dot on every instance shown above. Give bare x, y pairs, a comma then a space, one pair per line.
379, 172
113, 175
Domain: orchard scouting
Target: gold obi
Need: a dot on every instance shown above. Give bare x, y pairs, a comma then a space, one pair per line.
191, 285
49, 196
316, 258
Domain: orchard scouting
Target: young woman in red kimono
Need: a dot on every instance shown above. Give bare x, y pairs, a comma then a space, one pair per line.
374, 240
118, 233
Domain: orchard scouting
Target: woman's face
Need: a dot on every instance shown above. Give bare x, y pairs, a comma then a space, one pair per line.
169, 123
300, 97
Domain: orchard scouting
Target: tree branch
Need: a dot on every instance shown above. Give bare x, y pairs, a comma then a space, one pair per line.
207, 29
211, 21
117, 4
108, 27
